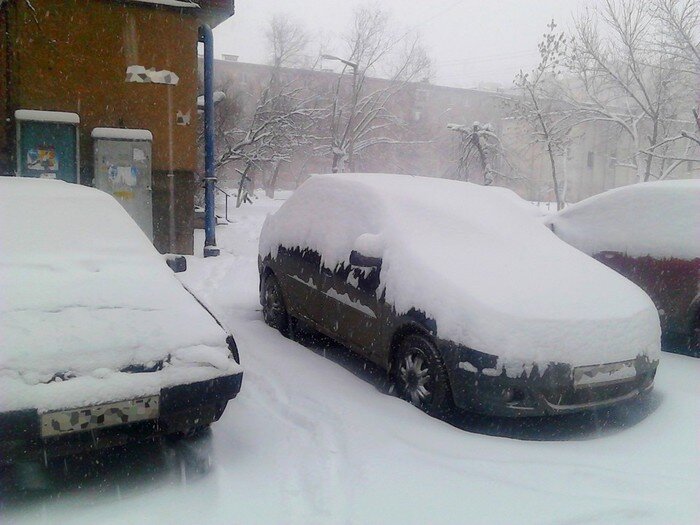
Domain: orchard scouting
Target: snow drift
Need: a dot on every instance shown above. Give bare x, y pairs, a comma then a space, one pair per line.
478, 260
83, 296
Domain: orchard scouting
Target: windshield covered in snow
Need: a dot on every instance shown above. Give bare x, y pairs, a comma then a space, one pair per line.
367, 261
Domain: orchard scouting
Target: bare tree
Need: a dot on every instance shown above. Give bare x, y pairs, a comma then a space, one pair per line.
480, 150
359, 117
629, 81
539, 111
287, 40
281, 121
678, 31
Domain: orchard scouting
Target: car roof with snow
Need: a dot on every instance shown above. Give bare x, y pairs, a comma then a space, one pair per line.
660, 219
83, 291
478, 260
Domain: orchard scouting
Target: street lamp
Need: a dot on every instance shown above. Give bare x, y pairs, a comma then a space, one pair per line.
348, 63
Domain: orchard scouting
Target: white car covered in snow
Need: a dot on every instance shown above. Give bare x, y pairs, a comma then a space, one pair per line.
99, 342
460, 291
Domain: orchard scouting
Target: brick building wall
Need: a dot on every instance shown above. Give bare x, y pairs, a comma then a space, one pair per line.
73, 55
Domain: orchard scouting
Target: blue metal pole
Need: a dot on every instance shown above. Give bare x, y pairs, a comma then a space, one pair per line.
207, 37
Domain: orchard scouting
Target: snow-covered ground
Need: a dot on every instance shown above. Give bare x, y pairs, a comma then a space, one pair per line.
312, 439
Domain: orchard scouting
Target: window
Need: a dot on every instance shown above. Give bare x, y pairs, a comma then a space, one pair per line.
590, 160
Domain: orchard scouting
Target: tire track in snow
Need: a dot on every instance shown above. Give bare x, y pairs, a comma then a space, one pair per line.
591, 479
316, 492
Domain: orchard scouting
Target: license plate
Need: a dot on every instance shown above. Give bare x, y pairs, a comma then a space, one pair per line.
596, 375
63, 422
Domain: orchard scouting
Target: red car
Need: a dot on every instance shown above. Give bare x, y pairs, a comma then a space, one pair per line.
650, 233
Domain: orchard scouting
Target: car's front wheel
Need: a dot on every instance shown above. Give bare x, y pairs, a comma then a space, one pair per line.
420, 375
273, 307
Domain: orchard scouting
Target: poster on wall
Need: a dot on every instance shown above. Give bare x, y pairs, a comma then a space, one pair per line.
123, 179
42, 158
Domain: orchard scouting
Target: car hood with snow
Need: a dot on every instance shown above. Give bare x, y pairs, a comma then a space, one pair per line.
86, 303
477, 260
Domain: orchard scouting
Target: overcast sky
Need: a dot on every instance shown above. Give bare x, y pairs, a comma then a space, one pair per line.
470, 41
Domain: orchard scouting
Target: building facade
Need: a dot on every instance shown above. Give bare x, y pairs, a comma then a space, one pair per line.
421, 145
123, 71
596, 159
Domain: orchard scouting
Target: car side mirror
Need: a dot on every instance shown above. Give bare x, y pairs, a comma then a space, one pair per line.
364, 261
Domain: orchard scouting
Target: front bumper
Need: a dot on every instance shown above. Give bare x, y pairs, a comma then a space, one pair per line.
182, 407
552, 390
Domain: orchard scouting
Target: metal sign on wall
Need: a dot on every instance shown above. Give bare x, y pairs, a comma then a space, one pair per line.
123, 169
47, 145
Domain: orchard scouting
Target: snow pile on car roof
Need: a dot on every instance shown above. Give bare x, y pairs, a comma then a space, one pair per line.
84, 295
478, 260
659, 219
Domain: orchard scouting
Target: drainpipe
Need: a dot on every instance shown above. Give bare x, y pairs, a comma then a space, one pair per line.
171, 174
207, 38
10, 166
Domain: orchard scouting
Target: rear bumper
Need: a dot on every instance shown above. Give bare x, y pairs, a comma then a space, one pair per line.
551, 391
182, 407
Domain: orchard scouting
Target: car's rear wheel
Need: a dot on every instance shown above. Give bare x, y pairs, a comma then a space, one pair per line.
273, 307
420, 376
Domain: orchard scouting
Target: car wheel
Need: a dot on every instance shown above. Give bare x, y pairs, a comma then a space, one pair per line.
420, 376
273, 307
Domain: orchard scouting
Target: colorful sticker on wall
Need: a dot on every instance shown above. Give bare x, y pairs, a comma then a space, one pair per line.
42, 158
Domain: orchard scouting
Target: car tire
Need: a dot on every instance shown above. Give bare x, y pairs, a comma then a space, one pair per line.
420, 376
273, 306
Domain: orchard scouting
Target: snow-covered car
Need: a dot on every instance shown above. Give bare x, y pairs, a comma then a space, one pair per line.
460, 291
100, 344
650, 233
